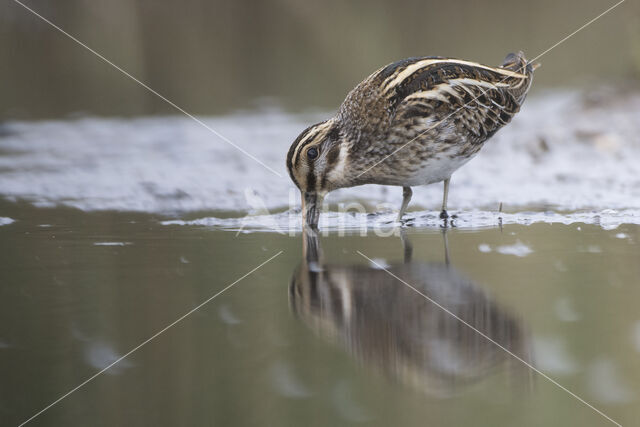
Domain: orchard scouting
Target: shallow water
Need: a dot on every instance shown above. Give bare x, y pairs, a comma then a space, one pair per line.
114, 229
335, 343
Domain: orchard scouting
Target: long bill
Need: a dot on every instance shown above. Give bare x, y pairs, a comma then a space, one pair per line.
311, 202
311, 249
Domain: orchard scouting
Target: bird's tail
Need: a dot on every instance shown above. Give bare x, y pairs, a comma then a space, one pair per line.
518, 63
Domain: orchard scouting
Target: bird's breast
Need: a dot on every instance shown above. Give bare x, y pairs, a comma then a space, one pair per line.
436, 169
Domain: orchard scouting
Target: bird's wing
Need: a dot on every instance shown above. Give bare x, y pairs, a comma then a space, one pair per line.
448, 98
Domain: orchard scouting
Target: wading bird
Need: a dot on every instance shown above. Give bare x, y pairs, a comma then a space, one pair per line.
413, 122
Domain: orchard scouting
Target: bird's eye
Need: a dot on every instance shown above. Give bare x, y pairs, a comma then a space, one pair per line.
312, 153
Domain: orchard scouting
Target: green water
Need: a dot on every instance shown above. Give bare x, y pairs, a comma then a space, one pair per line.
344, 343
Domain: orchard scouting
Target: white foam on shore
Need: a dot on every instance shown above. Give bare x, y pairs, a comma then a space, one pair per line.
563, 151
290, 222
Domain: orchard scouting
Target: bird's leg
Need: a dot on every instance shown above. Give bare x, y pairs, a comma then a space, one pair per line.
406, 197
407, 247
446, 246
444, 214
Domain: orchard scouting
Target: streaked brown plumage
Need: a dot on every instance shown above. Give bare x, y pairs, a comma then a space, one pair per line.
413, 122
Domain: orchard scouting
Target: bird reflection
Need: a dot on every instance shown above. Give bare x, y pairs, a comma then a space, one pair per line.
390, 327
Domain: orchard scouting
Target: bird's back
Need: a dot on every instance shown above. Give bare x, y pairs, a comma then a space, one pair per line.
430, 108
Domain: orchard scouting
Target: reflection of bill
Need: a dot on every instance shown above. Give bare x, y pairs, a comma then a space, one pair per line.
390, 328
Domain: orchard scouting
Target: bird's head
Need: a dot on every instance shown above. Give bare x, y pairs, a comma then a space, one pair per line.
316, 163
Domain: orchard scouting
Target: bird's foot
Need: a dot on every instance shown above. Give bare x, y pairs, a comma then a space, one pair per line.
444, 214
404, 221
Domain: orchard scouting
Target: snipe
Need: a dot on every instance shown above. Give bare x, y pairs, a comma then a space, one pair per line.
413, 122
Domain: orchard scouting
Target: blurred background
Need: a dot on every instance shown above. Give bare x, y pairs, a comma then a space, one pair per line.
213, 57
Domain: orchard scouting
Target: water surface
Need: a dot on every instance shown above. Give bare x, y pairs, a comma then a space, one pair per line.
353, 345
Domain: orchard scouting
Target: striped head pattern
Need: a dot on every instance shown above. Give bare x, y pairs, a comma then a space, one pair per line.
316, 164
316, 158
